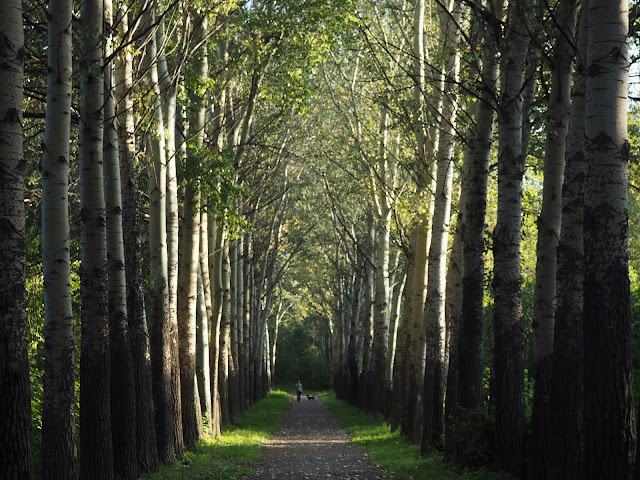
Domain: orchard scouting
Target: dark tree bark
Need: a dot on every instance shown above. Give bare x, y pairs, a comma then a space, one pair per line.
567, 370
123, 400
16, 442
610, 435
146, 448
96, 459
549, 223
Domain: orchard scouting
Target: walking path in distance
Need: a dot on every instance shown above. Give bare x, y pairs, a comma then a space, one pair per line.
311, 443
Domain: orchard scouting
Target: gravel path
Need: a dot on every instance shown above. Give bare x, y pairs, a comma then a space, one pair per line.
312, 444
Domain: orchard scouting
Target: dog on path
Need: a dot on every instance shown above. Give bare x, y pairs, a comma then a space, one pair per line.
311, 397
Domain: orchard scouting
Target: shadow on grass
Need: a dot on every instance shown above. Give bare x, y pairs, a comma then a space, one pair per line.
230, 455
391, 452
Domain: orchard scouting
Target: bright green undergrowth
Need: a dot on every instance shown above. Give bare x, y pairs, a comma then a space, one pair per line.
391, 452
233, 452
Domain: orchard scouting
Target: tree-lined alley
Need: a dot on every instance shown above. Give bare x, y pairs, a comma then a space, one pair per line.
428, 206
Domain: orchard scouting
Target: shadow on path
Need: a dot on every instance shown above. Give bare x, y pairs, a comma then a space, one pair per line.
311, 443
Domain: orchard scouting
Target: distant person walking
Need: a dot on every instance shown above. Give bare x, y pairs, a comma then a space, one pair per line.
299, 389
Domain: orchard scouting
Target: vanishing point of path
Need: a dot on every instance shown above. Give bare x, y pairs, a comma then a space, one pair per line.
311, 443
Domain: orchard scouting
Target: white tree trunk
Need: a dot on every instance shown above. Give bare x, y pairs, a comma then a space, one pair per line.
549, 223
216, 236
161, 351
609, 440
187, 298
146, 448
567, 379
96, 461
123, 401
204, 321
435, 301
58, 416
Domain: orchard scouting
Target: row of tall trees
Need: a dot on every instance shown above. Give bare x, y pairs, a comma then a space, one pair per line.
207, 172
165, 130
444, 319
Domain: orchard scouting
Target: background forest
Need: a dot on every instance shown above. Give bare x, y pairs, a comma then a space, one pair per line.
431, 207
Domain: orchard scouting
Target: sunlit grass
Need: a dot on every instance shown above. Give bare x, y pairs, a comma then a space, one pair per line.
391, 452
231, 455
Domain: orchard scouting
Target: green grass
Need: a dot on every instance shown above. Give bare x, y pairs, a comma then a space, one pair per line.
391, 452
233, 452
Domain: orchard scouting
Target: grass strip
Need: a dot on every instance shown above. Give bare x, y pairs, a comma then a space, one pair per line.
391, 452
230, 455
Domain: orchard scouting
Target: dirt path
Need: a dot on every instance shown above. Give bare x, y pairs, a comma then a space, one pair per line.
312, 444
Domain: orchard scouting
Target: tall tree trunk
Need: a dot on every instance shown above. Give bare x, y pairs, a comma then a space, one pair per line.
246, 331
400, 280
123, 400
216, 236
234, 402
161, 341
240, 322
168, 93
96, 460
204, 318
353, 349
507, 375
189, 246
470, 362
548, 235
16, 444
610, 439
58, 409
399, 394
225, 336
187, 297
146, 448
364, 386
434, 375
383, 291
426, 169
454, 320
567, 372
336, 324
